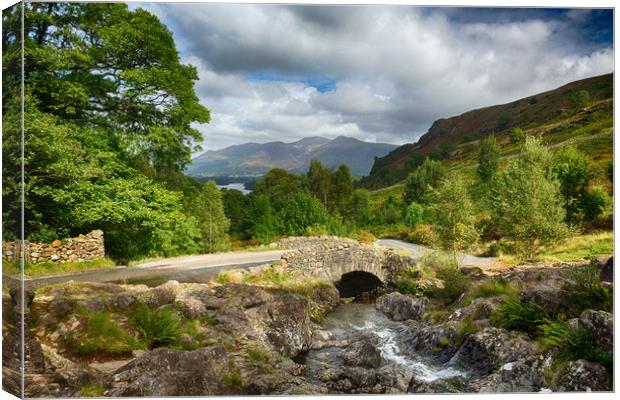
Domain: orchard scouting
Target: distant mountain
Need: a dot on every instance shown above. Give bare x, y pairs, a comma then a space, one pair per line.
450, 138
254, 159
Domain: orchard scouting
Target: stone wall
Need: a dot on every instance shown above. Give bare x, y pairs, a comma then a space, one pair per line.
81, 248
330, 257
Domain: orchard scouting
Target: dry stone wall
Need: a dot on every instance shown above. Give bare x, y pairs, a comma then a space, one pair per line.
330, 257
81, 248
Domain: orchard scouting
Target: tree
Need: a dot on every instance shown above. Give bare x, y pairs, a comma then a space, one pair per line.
299, 212
414, 215
526, 201
212, 219
488, 159
236, 207
571, 167
420, 182
341, 189
360, 207
263, 226
106, 66
593, 202
453, 214
279, 184
517, 135
390, 211
320, 181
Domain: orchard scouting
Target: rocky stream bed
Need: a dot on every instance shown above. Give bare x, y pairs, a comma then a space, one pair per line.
241, 338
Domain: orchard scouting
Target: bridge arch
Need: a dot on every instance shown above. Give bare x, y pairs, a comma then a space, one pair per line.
356, 283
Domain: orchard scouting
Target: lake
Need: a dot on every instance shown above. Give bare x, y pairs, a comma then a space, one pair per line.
235, 185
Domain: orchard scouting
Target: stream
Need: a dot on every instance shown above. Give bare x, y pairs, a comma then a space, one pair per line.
355, 319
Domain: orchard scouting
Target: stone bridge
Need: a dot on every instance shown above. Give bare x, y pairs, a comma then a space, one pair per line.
332, 258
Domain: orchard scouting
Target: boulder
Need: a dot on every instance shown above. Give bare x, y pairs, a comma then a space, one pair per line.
512, 377
61, 307
583, 376
400, 307
606, 265
550, 298
491, 348
167, 372
600, 324
362, 353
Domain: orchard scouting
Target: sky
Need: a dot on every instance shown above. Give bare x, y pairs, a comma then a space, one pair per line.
376, 73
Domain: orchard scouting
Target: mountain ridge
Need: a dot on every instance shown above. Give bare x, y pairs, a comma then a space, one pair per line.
255, 159
446, 134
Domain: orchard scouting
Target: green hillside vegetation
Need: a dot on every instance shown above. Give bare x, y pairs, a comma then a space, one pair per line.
577, 110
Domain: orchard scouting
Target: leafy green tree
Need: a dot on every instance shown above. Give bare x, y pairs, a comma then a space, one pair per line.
594, 202
414, 215
571, 167
359, 211
236, 207
263, 226
212, 219
420, 182
320, 181
279, 184
517, 135
454, 215
488, 159
106, 66
341, 189
299, 212
527, 204
390, 211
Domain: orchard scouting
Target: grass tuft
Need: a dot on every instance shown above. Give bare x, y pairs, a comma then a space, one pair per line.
156, 327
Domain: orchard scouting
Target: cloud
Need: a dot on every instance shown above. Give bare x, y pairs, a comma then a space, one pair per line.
270, 72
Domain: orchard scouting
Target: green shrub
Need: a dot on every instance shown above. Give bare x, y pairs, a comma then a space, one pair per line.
466, 328
422, 234
454, 281
594, 201
572, 344
586, 290
156, 327
414, 215
513, 314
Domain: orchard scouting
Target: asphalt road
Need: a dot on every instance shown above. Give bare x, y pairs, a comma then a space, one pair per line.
418, 251
198, 268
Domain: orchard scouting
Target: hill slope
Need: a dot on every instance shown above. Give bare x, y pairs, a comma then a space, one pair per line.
253, 159
552, 114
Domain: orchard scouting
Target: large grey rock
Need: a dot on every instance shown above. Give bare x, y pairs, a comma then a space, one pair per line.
583, 376
512, 377
400, 307
489, 349
600, 324
550, 298
362, 353
166, 372
606, 265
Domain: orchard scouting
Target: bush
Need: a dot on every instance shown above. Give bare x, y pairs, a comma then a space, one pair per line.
407, 282
572, 344
586, 290
364, 237
517, 135
593, 202
413, 215
156, 327
422, 234
516, 315
298, 212
454, 281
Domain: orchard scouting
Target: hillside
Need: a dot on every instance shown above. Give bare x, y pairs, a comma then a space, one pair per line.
552, 114
254, 159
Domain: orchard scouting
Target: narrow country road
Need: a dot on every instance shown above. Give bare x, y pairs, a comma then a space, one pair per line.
199, 268
418, 251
